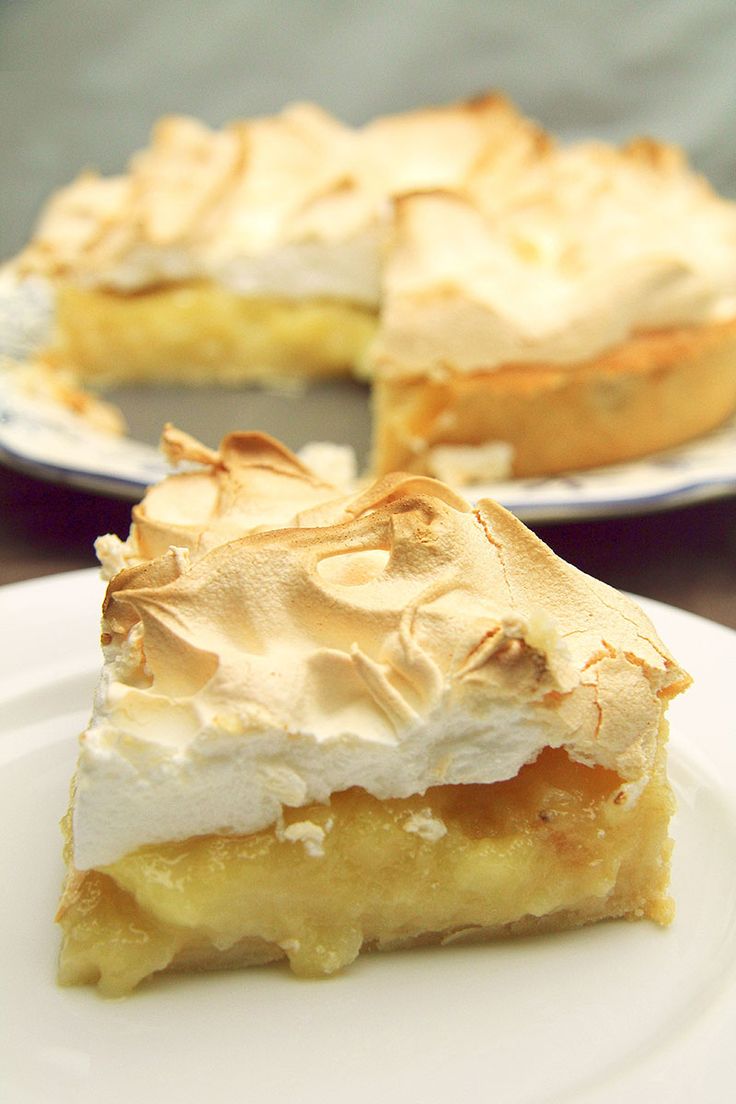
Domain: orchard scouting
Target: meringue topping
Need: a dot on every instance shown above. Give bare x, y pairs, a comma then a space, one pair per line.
482, 241
264, 205
589, 245
411, 642
294, 205
251, 482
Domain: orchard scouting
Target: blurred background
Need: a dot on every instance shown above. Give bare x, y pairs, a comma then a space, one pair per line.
82, 81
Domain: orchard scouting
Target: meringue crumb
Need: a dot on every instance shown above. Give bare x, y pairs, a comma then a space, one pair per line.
630, 792
460, 465
306, 832
112, 554
426, 826
182, 558
336, 464
288, 787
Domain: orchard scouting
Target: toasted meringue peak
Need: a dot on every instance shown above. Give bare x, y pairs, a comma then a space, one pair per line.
442, 147
179, 447
389, 488
414, 642
251, 482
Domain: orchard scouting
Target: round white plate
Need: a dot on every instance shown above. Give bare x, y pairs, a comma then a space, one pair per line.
46, 440
611, 1013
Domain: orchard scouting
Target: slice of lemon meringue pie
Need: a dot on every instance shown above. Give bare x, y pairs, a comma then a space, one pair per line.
397, 720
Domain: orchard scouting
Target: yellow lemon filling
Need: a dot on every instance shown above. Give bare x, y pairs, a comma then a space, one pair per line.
559, 845
202, 333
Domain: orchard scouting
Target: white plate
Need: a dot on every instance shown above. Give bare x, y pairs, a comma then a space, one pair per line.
44, 439
615, 1012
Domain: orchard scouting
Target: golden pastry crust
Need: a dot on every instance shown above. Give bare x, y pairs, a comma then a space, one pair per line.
655, 391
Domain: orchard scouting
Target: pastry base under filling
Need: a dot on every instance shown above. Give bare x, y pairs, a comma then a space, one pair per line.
655, 391
203, 333
559, 846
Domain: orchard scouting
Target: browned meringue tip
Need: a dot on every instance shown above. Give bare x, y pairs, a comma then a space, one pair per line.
179, 447
239, 448
658, 154
402, 485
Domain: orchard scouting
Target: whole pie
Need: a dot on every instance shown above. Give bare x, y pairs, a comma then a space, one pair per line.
522, 308
329, 722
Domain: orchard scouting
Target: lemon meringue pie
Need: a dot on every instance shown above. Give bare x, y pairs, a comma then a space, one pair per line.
523, 308
372, 720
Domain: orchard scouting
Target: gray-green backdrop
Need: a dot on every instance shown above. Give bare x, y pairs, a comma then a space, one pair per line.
81, 81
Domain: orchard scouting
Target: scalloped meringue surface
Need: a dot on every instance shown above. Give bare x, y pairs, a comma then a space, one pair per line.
482, 242
251, 482
396, 640
293, 205
590, 245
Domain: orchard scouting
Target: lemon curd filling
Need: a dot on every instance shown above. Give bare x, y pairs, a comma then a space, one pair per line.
559, 845
201, 332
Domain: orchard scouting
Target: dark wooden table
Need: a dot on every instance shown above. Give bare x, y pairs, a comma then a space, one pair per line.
685, 557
